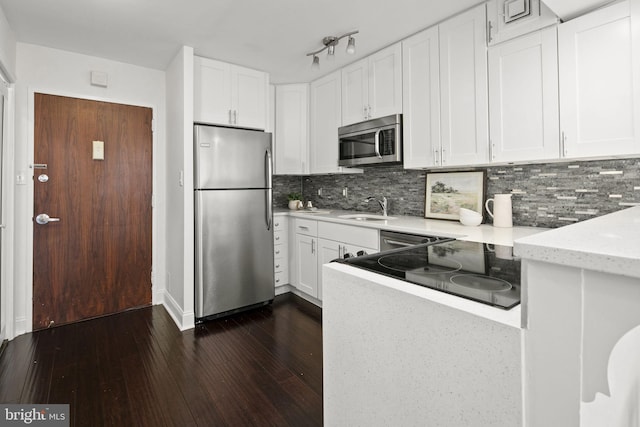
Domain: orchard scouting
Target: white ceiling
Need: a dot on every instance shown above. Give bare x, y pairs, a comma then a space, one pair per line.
270, 35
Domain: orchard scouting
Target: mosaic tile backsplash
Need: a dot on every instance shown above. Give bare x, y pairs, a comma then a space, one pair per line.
544, 195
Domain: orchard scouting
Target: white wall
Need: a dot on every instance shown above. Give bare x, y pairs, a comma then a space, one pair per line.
179, 171
45, 70
7, 48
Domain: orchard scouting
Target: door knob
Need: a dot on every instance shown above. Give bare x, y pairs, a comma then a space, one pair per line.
43, 219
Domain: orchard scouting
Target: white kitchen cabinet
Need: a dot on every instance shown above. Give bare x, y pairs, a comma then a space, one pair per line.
600, 83
280, 251
306, 256
291, 129
463, 89
421, 99
307, 264
325, 119
229, 95
523, 98
372, 87
328, 250
337, 240
445, 120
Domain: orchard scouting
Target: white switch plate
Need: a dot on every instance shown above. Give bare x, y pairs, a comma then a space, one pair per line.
98, 150
21, 178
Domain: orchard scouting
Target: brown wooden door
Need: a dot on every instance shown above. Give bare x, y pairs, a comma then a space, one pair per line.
96, 259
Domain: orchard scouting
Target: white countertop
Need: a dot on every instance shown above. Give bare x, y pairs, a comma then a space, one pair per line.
609, 244
483, 233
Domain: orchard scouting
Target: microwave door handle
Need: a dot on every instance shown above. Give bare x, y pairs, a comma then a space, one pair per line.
376, 144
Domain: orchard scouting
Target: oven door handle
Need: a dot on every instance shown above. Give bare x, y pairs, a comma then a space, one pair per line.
376, 143
397, 243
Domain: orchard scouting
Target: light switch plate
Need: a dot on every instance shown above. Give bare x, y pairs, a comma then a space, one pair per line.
98, 150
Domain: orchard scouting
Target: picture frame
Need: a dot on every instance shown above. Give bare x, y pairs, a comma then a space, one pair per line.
447, 192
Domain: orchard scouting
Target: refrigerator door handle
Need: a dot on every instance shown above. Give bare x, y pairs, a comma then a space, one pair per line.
269, 178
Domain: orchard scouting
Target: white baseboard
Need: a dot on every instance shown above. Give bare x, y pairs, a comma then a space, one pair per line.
184, 320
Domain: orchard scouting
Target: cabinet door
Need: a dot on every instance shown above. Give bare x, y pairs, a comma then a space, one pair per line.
385, 82
328, 250
599, 90
291, 130
250, 97
421, 100
306, 265
523, 98
325, 120
463, 89
212, 92
355, 88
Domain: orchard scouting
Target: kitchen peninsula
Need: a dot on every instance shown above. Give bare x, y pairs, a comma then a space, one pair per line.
404, 355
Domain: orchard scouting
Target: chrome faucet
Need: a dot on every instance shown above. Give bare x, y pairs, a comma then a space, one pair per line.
383, 204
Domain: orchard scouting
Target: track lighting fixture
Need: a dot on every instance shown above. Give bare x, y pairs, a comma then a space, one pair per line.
330, 43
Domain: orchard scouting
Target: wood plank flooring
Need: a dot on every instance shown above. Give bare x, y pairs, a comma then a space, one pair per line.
258, 368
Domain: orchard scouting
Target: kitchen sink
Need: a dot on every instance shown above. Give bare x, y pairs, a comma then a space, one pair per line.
314, 211
367, 217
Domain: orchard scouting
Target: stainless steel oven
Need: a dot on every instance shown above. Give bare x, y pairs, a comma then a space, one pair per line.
372, 142
394, 240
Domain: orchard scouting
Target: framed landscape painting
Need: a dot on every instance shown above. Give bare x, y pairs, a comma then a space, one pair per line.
447, 192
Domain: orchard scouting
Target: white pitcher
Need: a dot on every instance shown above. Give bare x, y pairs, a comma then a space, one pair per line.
502, 214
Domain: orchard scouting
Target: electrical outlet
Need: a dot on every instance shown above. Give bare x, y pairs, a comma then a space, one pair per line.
345, 192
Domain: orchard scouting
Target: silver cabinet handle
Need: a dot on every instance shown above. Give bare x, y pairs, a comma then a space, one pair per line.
444, 157
313, 246
436, 156
235, 117
43, 219
230, 118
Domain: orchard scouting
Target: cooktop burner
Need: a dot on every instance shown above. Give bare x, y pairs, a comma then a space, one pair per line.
482, 272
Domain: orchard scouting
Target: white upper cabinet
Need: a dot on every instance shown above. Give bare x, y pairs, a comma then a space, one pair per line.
229, 95
463, 89
523, 98
292, 130
372, 87
421, 99
599, 87
325, 119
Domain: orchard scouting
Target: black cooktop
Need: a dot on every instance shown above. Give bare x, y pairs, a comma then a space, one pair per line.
478, 271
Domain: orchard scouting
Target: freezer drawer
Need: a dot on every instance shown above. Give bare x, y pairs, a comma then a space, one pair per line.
231, 158
234, 250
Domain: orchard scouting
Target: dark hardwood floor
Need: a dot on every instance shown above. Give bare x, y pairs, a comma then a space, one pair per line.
258, 368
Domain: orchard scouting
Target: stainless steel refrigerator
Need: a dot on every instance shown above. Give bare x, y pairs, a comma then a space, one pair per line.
233, 220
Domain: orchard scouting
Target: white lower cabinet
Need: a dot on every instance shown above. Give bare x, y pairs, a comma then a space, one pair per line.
280, 251
319, 242
306, 255
328, 250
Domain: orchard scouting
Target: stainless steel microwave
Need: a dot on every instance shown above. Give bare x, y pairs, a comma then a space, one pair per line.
372, 142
